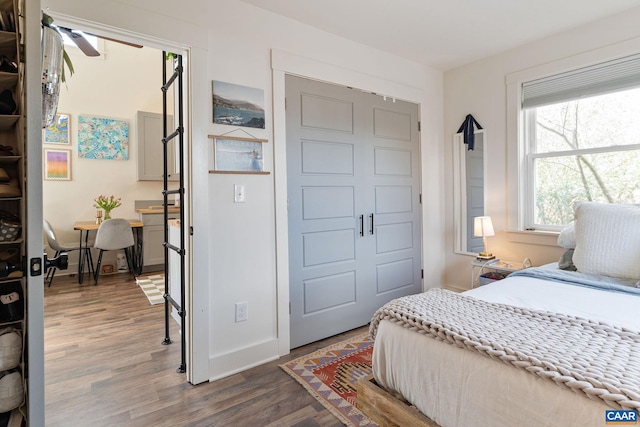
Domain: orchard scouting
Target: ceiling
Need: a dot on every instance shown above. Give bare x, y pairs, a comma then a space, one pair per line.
445, 34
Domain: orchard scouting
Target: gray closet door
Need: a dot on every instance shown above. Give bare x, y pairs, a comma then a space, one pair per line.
354, 214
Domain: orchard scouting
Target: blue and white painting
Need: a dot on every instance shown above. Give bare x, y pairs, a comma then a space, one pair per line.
240, 156
103, 138
238, 105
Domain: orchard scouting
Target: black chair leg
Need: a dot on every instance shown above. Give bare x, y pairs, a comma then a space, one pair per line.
96, 272
127, 253
90, 260
51, 272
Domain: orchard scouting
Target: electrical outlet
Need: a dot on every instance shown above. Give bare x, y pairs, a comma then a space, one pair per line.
242, 311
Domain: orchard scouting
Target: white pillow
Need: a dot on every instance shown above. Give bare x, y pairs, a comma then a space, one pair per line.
567, 237
608, 239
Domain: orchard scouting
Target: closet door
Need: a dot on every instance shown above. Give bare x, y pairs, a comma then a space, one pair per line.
347, 174
393, 183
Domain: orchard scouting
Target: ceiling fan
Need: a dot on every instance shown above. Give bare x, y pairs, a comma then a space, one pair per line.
79, 39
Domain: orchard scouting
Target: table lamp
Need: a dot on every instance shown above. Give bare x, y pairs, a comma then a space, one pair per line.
483, 227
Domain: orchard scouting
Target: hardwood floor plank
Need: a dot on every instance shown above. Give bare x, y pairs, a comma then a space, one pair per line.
105, 366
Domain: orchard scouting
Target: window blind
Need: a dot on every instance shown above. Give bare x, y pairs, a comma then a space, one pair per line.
610, 76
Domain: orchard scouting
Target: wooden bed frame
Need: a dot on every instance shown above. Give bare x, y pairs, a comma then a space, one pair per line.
387, 410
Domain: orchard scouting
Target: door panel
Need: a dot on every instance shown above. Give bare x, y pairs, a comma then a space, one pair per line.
394, 237
393, 199
391, 124
326, 247
327, 158
329, 292
353, 206
326, 113
327, 202
394, 275
392, 162
396, 181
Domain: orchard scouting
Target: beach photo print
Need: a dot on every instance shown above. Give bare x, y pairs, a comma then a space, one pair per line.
237, 105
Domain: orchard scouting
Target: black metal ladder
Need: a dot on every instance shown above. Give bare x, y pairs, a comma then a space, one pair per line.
178, 133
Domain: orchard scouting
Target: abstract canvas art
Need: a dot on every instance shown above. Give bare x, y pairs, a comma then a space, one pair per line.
59, 131
57, 165
103, 138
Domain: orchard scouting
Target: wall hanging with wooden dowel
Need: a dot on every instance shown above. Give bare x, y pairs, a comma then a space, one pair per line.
241, 155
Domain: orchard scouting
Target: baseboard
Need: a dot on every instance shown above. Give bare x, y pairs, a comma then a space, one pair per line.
227, 364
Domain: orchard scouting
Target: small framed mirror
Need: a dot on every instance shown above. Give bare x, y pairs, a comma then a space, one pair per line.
469, 177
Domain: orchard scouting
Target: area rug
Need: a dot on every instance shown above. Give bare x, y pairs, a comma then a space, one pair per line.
330, 375
153, 287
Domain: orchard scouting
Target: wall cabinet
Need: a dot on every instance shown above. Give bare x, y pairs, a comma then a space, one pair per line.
150, 151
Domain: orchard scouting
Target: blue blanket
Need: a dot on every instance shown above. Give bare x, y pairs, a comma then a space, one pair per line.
595, 281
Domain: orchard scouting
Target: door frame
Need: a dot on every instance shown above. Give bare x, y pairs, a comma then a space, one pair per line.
197, 331
283, 63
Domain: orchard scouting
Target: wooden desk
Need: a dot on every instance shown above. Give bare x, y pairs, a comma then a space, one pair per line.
85, 227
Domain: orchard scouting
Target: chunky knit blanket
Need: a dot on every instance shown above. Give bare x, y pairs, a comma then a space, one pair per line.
600, 361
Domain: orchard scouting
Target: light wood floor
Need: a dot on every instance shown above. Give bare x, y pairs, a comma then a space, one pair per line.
105, 366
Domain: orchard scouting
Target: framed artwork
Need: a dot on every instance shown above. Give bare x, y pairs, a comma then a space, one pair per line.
103, 138
238, 155
59, 131
238, 105
57, 164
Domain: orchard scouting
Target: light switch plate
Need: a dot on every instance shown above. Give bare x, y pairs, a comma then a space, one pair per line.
238, 193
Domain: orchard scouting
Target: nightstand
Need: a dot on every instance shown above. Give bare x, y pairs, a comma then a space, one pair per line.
501, 267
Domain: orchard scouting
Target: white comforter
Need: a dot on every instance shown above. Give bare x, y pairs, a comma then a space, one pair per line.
459, 388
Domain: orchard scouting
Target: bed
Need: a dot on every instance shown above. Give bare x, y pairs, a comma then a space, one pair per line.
543, 347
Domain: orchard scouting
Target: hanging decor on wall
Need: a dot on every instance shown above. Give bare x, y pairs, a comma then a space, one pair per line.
467, 129
237, 105
232, 154
103, 138
58, 132
57, 165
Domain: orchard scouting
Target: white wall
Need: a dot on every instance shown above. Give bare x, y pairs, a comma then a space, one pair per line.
479, 89
117, 84
234, 245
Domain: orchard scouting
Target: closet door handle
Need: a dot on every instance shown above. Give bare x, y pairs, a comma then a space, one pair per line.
371, 229
362, 225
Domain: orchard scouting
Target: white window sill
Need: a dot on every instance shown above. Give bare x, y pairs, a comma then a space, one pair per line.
533, 237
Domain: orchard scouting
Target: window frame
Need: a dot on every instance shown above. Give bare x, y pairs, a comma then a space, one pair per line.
531, 155
519, 164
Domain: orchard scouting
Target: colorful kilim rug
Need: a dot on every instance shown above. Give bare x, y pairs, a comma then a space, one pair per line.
153, 287
331, 374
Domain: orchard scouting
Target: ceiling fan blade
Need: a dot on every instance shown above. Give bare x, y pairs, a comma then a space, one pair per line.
80, 41
120, 41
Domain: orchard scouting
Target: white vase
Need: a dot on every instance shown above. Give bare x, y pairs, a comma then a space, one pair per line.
52, 49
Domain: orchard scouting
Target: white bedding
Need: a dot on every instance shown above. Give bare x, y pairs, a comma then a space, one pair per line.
460, 388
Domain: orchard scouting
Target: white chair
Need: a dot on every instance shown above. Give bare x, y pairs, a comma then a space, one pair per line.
114, 234
59, 247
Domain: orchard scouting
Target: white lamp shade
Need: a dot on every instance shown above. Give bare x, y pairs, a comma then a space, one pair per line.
482, 226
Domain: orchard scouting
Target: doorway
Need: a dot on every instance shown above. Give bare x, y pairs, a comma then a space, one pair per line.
354, 205
99, 98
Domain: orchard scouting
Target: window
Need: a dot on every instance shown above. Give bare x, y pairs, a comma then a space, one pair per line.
581, 141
